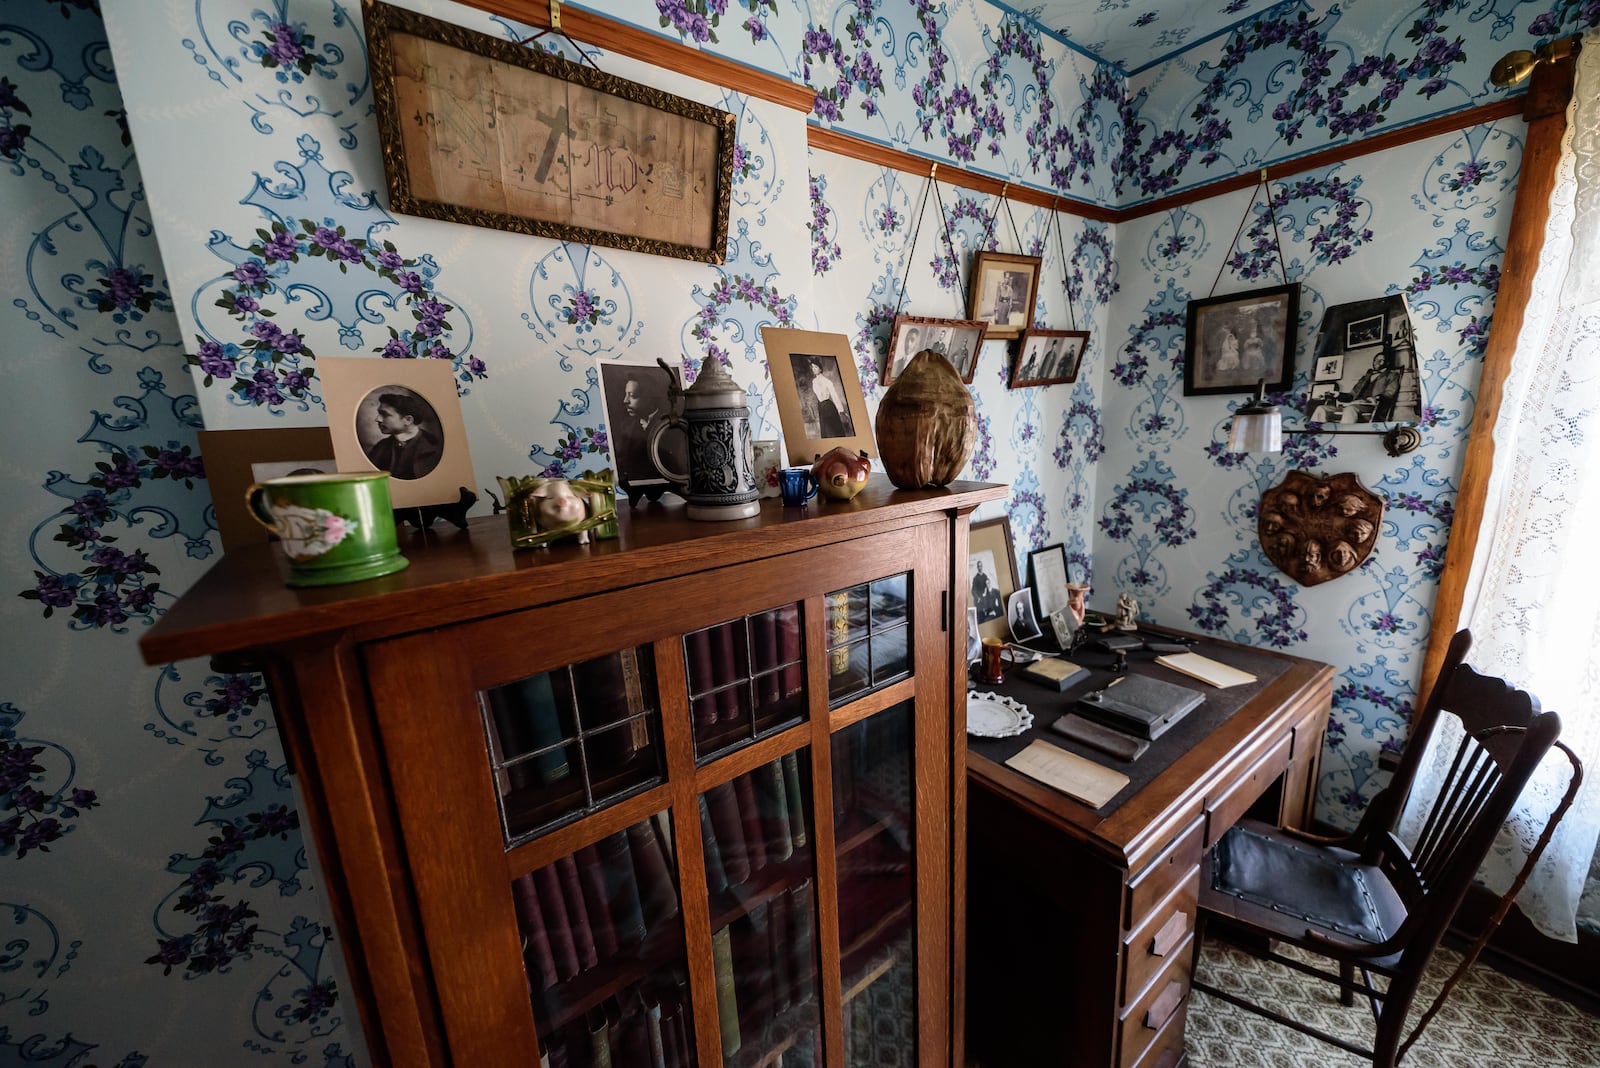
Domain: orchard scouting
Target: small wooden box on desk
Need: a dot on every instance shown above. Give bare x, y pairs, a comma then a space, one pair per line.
681, 797
1080, 938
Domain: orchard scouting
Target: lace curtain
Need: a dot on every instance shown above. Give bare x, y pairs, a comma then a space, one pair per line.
1533, 602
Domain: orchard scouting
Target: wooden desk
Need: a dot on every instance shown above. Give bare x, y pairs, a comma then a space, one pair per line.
1080, 932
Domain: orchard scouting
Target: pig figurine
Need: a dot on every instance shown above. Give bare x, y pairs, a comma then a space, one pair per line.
558, 509
543, 510
841, 474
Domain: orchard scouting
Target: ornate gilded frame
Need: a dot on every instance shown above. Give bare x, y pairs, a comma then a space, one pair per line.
405, 174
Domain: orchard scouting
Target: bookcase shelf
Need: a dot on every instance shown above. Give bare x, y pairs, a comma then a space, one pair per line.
410, 706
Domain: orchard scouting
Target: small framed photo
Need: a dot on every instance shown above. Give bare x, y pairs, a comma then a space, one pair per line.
403, 417
235, 459
1233, 342
1047, 573
1019, 613
991, 575
1365, 365
957, 340
818, 392
1366, 331
637, 398
1003, 291
1047, 357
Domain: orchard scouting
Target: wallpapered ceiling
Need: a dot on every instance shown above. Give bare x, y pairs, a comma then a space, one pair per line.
155, 870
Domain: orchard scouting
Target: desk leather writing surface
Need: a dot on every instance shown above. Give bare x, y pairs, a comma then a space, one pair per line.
1046, 705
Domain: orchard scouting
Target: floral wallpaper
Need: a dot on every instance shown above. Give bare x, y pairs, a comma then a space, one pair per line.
156, 872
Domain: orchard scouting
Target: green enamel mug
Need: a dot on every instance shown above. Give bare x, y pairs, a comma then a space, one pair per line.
334, 528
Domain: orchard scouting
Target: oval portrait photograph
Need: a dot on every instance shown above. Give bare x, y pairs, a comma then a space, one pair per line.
400, 432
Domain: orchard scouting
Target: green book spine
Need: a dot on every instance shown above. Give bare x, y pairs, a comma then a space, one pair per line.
794, 799
727, 1000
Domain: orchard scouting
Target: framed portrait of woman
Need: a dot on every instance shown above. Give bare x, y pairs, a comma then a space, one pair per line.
818, 390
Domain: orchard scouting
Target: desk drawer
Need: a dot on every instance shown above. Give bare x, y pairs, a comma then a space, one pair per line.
1158, 877
1160, 1008
1153, 944
1224, 810
1167, 1050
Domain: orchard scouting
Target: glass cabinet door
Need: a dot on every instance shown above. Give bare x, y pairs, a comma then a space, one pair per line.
874, 843
761, 873
604, 951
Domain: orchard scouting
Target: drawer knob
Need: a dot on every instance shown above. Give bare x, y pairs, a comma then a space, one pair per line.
1170, 935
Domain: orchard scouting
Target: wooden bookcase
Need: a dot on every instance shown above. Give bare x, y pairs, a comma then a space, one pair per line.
690, 796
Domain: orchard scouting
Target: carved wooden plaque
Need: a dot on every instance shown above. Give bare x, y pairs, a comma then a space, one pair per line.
1316, 529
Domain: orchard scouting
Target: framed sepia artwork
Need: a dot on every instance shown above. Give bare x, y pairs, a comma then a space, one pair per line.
1048, 357
403, 417
1236, 341
957, 340
1364, 367
237, 459
483, 131
818, 392
1002, 291
991, 575
637, 397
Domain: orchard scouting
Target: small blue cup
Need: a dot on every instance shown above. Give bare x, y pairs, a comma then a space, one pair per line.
794, 482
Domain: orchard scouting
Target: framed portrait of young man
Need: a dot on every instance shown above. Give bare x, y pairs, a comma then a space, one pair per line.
636, 396
403, 417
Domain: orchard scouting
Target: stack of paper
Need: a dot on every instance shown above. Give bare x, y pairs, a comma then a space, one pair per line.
1206, 669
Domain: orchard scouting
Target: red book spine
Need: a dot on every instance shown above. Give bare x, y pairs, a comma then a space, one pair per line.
792, 678
577, 912
729, 826
557, 922
754, 836
725, 669
697, 650
531, 919
766, 646
592, 875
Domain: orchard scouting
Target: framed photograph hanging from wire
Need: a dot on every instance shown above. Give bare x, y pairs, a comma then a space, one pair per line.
1236, 341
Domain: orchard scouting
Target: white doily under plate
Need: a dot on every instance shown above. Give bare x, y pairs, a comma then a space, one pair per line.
991, 715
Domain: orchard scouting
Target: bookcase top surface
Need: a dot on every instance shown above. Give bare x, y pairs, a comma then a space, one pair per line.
242, 603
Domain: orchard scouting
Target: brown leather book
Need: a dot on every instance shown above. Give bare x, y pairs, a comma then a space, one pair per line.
778, 921
716, 878
765, 634
791, 679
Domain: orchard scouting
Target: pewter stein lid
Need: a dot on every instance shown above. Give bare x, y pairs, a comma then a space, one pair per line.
714, 387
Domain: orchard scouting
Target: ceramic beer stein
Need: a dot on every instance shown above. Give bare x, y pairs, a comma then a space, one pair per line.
334, 528
721, 481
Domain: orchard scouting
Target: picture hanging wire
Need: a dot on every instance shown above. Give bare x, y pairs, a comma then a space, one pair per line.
1066, 275
555, 27
911, 249
988, 230
1277, 244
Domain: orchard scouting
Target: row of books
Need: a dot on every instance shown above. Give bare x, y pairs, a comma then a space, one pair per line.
769, 642
648, 1026
536, 720
597, 904
765, 962
756, 820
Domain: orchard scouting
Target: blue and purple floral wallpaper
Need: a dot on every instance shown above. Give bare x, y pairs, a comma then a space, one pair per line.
155, 871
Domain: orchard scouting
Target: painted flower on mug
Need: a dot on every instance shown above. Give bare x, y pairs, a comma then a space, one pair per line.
307, 533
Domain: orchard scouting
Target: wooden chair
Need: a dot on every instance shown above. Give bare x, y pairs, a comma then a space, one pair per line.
1366, 900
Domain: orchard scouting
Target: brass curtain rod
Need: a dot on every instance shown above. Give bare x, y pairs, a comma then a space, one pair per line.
1513, 67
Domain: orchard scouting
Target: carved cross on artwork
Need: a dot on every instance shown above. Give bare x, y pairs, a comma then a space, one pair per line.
1316, 529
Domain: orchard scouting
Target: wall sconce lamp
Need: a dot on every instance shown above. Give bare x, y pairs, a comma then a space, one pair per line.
1513, 67
1258, 427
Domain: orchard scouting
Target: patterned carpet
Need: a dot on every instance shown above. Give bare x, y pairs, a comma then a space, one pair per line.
1489, 1021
